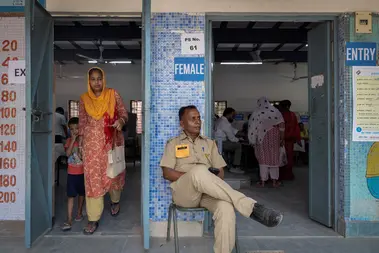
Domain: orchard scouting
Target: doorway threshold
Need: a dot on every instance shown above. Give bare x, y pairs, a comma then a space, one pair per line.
95, 235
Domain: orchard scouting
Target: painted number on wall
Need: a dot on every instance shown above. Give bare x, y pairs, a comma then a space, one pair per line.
12, 121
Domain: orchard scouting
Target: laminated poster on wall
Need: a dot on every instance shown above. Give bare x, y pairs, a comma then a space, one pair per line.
12, 3
366, 104
12, 119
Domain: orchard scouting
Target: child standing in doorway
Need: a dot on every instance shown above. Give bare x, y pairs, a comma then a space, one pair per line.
75, 174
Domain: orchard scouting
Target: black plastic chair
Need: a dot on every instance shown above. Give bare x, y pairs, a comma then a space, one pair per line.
59, 163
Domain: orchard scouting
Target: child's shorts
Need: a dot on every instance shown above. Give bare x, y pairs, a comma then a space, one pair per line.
75, 185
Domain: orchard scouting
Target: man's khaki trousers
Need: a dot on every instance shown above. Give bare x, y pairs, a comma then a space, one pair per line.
199, 187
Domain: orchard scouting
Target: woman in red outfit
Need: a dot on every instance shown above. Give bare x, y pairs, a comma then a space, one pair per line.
291, 136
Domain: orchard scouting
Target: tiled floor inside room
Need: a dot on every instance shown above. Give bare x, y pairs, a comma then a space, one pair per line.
292, 200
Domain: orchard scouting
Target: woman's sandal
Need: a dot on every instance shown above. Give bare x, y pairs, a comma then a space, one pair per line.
114, 206
91, 227
260, 184
66, 227
276, 185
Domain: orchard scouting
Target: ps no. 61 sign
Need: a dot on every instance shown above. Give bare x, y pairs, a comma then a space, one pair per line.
193, 44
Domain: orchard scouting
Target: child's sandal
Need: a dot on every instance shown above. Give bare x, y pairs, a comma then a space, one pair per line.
66, 226
79, 218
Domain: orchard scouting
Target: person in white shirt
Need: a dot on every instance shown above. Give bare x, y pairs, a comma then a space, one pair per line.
60, 124
228, 134
60, 127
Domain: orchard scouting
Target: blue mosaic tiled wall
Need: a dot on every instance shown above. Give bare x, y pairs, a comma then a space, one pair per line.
358, 206
167, 96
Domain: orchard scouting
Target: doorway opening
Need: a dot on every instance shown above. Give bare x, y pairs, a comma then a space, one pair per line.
281, 60
114, 45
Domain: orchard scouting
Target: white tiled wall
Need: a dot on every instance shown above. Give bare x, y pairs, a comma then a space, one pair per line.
125, 78
242, 85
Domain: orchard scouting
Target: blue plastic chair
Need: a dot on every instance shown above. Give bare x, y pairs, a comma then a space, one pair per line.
172, 214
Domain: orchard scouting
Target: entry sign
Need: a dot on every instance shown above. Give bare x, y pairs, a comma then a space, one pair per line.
361, 54
189, 69
12, 3
17, 72
193, 43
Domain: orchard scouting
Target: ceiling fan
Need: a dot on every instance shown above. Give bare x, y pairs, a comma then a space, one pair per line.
60, 74
101, 59
295, 77
256, 57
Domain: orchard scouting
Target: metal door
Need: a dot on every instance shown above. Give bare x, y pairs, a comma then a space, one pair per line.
146, 61
320, 108
39, 106
209, 104
209, 88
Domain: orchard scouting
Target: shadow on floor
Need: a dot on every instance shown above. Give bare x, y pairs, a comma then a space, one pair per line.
127, 222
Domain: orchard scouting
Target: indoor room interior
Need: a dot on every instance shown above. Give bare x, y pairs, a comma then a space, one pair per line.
255, 59
115, 46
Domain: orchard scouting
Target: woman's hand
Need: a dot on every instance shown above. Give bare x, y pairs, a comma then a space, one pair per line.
118, 124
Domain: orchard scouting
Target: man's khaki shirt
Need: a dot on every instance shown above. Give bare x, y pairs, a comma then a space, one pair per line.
181, 153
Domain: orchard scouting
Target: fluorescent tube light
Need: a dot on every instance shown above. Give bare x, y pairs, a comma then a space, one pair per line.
94, 62
120, 62
242, 63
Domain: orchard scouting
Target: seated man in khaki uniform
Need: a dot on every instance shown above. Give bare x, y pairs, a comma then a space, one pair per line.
194, 166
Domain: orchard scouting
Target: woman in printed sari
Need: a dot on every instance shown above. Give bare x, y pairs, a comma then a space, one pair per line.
291, 136
102, 115
265, 133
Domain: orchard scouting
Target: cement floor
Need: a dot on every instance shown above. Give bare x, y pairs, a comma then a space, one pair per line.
129, 220
297, 233
124, 244
292, 200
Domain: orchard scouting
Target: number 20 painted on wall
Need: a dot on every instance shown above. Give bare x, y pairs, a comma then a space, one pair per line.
9, 45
